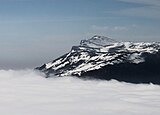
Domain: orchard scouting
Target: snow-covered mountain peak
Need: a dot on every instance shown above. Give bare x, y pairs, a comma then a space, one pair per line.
97, 41
101, 52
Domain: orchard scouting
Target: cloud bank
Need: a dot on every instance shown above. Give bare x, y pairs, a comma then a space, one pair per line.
26, 92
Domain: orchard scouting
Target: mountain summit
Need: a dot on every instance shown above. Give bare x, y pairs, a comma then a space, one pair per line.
105, 58
97, 41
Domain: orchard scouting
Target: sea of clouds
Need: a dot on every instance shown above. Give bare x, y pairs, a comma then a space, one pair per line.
26, 92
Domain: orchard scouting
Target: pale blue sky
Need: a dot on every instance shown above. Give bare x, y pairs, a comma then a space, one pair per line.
33, 32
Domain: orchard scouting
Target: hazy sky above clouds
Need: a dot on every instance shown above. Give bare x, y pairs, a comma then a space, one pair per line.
33, 32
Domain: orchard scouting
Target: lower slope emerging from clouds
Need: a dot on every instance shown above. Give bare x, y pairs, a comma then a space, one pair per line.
27, 92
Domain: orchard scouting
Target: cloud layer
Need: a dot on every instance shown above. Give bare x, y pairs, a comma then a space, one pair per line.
27, 92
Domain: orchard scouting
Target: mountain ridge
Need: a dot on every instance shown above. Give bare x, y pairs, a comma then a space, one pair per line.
101, 53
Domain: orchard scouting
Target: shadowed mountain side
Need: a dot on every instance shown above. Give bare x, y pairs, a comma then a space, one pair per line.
145, 72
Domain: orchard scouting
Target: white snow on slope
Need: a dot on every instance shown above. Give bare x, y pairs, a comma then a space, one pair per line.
108, 52
28, 93
97, 41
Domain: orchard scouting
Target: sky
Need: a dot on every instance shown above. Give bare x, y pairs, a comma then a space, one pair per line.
33, 32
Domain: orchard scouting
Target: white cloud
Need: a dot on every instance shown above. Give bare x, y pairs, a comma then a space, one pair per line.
150, 9
28, 93
99, 28
149, 12
145, 2
119, 28
108, 28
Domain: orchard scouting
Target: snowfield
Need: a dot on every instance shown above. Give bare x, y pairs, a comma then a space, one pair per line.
26, 92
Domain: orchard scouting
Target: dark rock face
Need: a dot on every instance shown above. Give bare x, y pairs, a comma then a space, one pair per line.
145, 72
104, 58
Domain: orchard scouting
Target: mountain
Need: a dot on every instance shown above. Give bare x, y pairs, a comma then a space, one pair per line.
105, 58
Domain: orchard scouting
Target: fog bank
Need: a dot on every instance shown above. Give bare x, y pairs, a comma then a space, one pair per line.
26, 92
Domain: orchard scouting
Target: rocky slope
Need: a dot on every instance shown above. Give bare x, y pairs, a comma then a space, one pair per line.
104, 58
